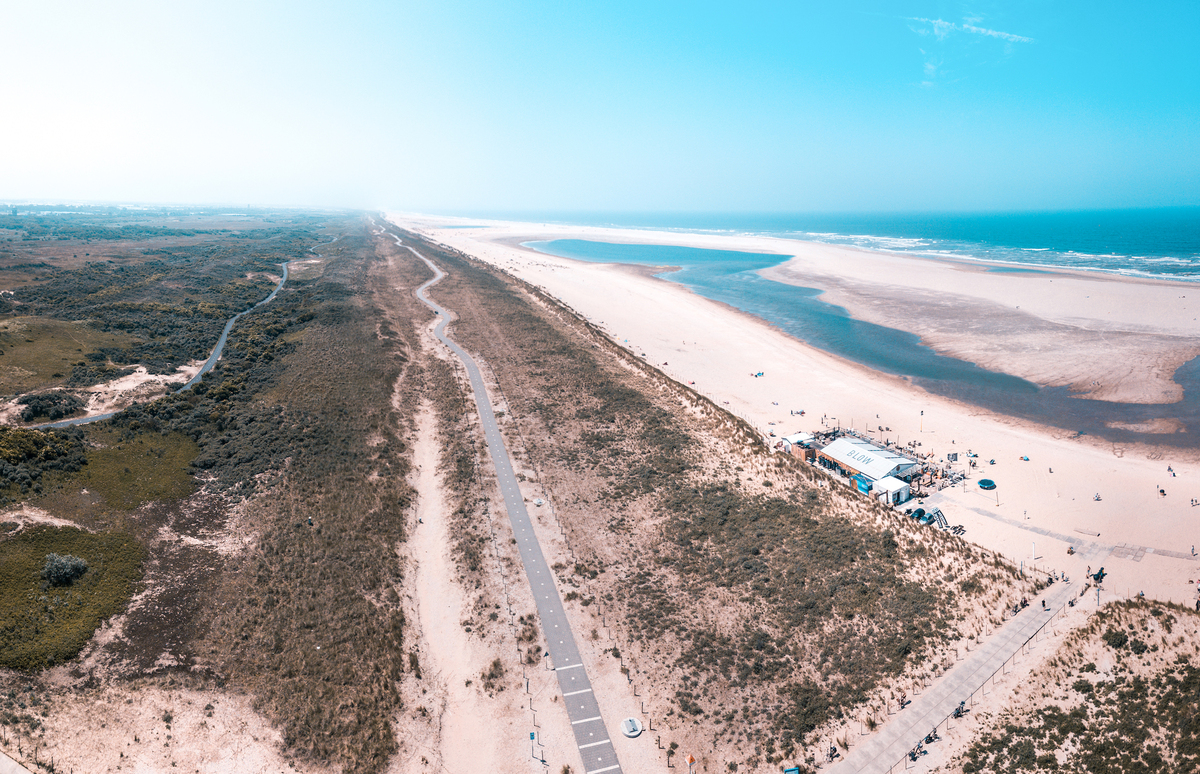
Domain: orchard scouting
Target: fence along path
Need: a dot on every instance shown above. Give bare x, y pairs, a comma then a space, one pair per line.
887, 748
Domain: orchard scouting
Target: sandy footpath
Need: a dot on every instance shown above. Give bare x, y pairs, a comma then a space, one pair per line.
1143, 539
118, 394
451, 723
149, 729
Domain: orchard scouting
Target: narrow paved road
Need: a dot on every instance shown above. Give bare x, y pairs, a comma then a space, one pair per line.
591, 734
903, 731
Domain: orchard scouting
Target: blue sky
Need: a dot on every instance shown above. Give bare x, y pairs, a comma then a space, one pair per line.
615, 106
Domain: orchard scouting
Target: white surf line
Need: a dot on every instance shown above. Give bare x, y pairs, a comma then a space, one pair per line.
564, 653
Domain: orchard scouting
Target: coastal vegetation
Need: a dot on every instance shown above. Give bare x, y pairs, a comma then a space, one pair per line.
49, 405
42, 352
1118, 697
127, 473
825, 601
309, 621
26, 455
296, 440
168, 308
256, 520
56, 585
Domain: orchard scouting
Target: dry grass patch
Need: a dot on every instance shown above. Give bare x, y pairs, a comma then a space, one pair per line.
130, 472
765, 614
37, 353
43, 623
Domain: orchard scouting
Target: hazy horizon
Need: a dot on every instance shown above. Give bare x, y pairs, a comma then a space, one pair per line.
673, 108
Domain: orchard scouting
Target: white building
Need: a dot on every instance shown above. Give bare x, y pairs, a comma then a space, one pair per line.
855, 457
890, 490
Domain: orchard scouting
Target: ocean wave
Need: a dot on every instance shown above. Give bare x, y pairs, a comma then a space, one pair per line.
1174, 267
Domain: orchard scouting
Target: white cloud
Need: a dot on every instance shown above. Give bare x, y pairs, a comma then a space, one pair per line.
942, 29
1011, 38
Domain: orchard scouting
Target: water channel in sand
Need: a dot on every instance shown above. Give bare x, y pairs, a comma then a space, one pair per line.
732, 277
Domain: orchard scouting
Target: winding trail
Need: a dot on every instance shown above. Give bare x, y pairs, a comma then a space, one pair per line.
591, 734
212, 358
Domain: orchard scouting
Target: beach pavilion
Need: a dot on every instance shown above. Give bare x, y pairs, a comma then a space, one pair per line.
890, 490
867, 464
796, 444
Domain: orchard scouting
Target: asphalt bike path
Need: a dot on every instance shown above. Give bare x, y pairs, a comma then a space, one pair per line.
888, 747
591, 734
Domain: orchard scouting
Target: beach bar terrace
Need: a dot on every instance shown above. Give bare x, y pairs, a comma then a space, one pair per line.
867, 465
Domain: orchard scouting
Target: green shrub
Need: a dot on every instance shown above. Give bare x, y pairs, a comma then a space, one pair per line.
41, 626
62, 570
1115, 639
51, 405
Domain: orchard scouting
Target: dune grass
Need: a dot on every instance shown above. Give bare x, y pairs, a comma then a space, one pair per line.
38, 352
128, 473
1119, 697
42, 625
826, 598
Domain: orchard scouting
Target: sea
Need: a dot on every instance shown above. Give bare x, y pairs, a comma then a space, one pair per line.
1153, 243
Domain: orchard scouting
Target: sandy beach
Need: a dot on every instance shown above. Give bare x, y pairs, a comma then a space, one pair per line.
1142, 329
1104, 336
